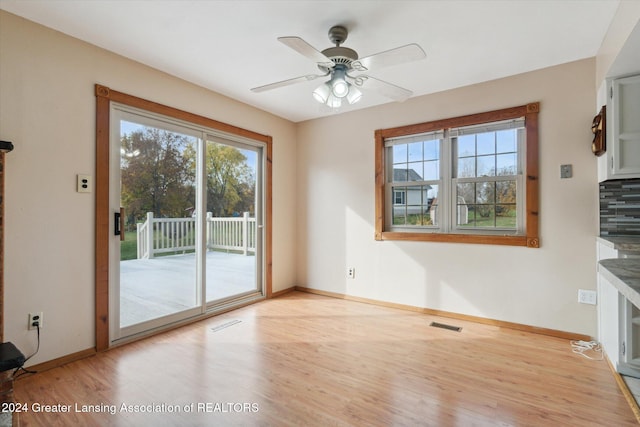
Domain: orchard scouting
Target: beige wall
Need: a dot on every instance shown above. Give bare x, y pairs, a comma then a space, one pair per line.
536, 287
323, 193
47, 108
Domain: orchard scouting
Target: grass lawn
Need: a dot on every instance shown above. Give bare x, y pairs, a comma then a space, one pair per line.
129, 247
501, 221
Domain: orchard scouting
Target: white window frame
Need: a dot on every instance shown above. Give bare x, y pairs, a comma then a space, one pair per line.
446, 230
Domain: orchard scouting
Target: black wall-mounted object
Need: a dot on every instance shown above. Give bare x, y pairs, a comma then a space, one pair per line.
6, 146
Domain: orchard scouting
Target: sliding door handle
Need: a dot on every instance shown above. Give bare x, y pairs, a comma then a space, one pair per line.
118, 224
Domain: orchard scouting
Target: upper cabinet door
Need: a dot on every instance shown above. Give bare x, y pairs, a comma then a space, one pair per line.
624, 152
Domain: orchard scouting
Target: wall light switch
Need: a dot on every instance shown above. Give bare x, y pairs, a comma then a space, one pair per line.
84, 184
566, 171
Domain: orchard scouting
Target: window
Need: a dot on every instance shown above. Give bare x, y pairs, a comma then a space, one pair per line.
470, 179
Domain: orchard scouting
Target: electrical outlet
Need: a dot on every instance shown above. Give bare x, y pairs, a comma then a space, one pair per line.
351, 272
35, 318
83, 184
586, 297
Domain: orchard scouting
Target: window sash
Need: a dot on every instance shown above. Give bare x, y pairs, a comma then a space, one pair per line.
518, 177
447, 210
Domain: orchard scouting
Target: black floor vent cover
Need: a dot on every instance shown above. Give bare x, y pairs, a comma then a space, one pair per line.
444, 326
225, 325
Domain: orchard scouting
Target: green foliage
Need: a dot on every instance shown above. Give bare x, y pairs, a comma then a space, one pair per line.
158, 174
413, 219
230, 181
129, 247
155, 175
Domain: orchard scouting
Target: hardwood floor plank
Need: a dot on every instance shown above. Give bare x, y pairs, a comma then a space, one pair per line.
304, 359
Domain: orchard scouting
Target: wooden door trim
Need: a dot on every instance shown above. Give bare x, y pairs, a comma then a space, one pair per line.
104, 97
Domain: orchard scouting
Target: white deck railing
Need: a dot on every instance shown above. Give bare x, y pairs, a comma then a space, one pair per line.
162, 235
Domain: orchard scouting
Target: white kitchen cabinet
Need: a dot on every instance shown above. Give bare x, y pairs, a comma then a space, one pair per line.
622, 157
609, 313
630, 336
618, 317
609, 316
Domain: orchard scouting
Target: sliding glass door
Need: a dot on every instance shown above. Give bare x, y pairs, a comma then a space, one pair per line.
187, 221
233, 219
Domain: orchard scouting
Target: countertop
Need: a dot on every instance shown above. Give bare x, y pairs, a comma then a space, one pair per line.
624, 274
621, 243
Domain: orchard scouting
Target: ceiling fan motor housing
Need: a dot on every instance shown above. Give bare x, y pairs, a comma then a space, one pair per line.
339, 55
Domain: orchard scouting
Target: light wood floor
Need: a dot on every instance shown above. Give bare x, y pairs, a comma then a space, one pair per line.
309, 360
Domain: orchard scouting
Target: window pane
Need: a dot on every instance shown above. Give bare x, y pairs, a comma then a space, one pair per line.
431, 171
398, 201
485, 216
414, 205
432, 149
467, 217
466, 167
416, 200
506, 141
466, 145
466, 193
506, 164
432, 205
400, 173
415, 172
399, 216
415, 151
506, 216
400, 153
506, 192
485, 192
486, 166
486, 143
462, 212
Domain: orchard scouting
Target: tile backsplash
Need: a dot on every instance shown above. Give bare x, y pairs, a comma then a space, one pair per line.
620, 207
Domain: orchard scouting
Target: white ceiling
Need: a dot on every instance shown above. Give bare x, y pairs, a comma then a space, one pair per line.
230, 46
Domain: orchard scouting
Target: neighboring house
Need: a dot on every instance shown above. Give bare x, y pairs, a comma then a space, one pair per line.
412, 198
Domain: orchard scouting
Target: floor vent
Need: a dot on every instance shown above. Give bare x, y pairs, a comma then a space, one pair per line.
444, 326
225, 325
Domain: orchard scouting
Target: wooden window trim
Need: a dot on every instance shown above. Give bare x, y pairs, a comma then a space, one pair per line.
104, 97
530, 237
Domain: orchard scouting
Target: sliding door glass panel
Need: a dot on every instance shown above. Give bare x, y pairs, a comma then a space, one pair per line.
233, 220
189, 237
158, 201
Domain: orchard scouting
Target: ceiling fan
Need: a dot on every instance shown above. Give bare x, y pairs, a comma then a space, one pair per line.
343, 65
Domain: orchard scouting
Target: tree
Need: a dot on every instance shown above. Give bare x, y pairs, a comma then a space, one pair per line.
155, 174
230, 181
158, 174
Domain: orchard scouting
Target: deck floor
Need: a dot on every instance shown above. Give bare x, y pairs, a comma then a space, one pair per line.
151, 288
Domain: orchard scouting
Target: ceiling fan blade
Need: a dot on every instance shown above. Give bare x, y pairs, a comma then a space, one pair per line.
384, 88
287, 82
304, 48
399, 55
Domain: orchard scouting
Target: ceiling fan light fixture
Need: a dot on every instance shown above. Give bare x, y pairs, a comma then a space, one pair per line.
333, 101
339, 85
354, 94
340, 88
321, 94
